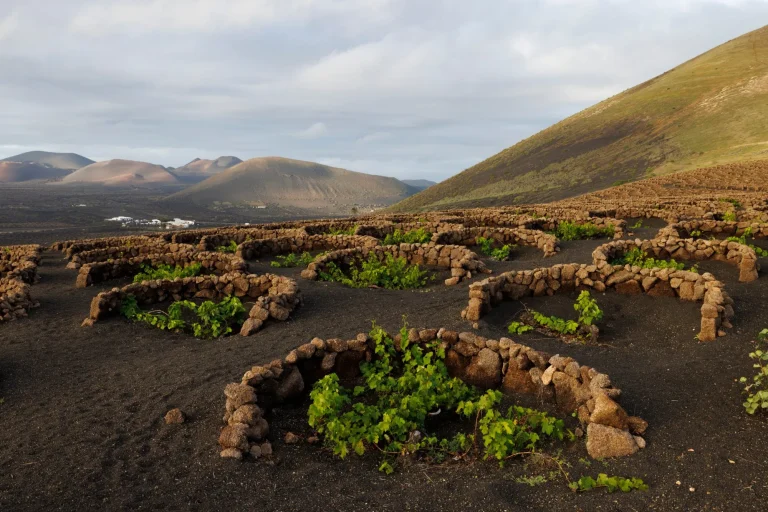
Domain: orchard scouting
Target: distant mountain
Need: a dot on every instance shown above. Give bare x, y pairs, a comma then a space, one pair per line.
69, 161
710, 110
15, 172
122, 173
286, 182
198, 169
420, 184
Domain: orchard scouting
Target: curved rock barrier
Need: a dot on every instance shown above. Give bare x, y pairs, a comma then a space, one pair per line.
461, 261
684, 229
734, 253
282, 245
516, 236
179, 254
15, 299
716, 309
20, 262
275, 296
485, 363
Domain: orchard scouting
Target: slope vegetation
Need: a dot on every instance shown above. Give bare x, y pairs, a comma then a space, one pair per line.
199, 169
710, 110
69, 161
122, 173
286, 182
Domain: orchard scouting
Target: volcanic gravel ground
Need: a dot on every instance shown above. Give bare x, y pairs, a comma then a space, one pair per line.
81, 426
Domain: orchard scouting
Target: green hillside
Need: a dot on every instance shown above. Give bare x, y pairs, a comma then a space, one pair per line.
711, 109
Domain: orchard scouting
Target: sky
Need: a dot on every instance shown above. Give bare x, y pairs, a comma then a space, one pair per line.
404, 88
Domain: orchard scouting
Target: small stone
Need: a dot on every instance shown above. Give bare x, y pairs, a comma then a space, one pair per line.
255, 451
291, 438
174, 416
231, 453
313, 440
640, 442
266, 448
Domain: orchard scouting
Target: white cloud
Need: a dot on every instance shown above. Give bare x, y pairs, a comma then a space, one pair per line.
374, 137
315, 131
8, 25
214, 15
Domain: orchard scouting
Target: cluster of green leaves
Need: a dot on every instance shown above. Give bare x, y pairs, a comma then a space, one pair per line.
518, 328
149, 273
695, 233
567, 230
210, 319
231, 247
292, 260
612, 483
342, 231
486, 247
757, 390
637, 258
734, 202
589, 311
729, 216
555, 323
415, 236
587, 307
637, 225
762, 253
392, 273
401, 387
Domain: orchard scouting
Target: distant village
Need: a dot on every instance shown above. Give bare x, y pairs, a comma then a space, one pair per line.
130, 222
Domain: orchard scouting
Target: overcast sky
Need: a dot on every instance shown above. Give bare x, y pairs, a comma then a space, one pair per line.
405, 88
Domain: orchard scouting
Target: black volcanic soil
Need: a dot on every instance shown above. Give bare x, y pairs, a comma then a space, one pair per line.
81, 426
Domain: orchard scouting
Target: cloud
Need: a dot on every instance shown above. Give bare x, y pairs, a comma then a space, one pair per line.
315, 131
8, 25
407, 88
99, 18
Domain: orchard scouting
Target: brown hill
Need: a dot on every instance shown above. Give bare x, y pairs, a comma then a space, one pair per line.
14, 172
199, 169
70, 161
286, 182
122, 173
710, 110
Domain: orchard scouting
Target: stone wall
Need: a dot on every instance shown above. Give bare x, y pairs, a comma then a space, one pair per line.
131, 249
683, 229
71, 247
517, 236
20, 262
282, 245
213, 241
275, 296
461, 261
734, 253
485, 363
15, 299
179, 254
716, 310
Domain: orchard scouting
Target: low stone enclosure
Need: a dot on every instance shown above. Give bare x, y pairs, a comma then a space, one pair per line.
276, 296
20, 262
461, 261
177, 254
516, 236
485, 363
18, 271
734, 253
282, 245
712, 227
716, 310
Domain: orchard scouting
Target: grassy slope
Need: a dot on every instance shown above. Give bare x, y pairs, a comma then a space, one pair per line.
711, 109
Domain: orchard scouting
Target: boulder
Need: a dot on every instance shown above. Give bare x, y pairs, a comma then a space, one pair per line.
607, 412
291, 386
485, 370
604, 442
